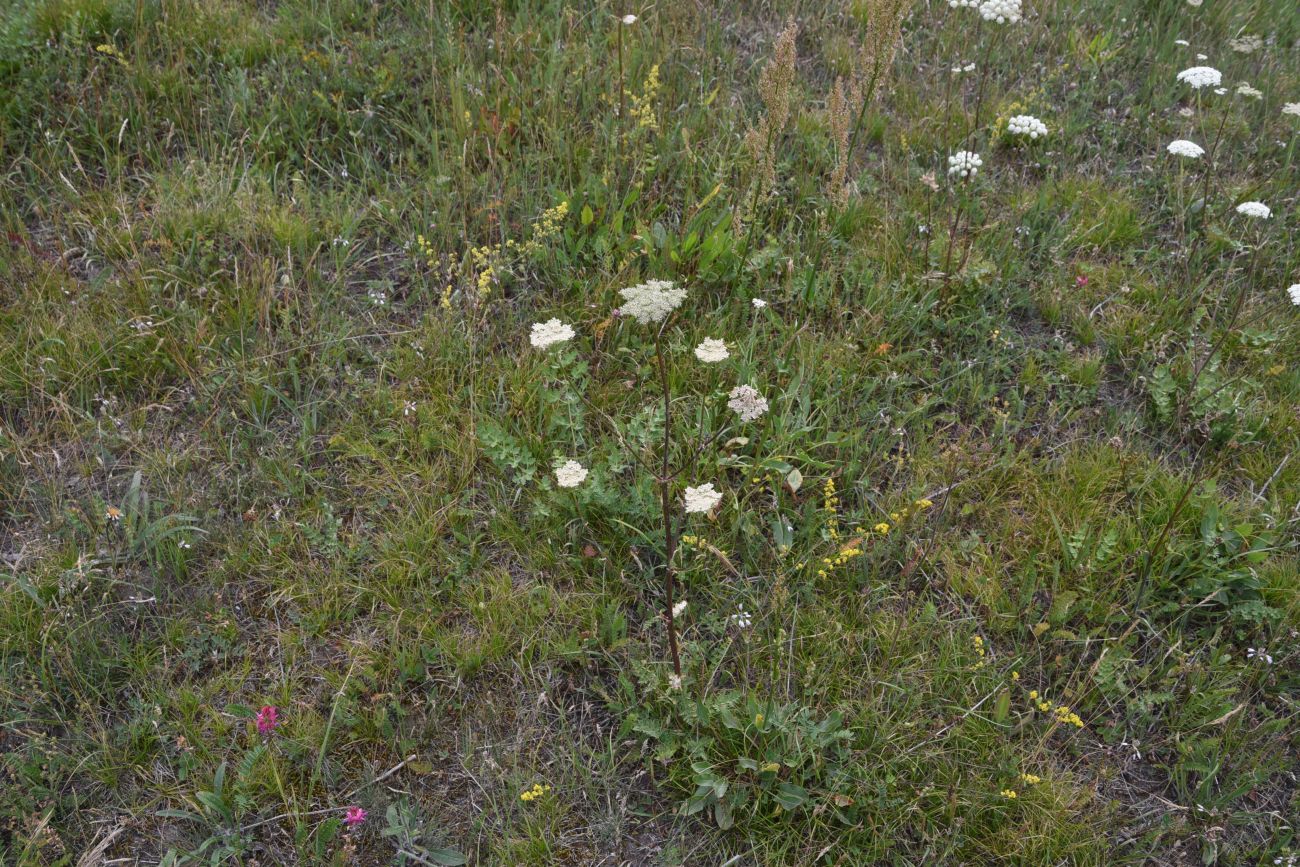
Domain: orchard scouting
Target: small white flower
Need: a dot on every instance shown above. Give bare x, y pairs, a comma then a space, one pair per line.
1201, 76
1259, 653
712, 351
1184, 148
702, 499
958, 4
679, 609
741, 618
629, 19
1244, 89
1026, 124
1258, 210
652, 301
1001, 11
1194, 2
549, 333
746, 402
408, 408
1291, 108
570, 474
674, 681
1182, 42
964, 164
1294, 291
960, 68
758, 303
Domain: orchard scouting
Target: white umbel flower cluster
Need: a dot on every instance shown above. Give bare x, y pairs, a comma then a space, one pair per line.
1247, 44
1184, 148
702, 499
1256, 210
746, 402
570, 474
1294, 291
1027, 124
1244, 89
712, 351
1001, 11
679, 609
958, 4
1201, 76
652, 301
965, 164
549, 333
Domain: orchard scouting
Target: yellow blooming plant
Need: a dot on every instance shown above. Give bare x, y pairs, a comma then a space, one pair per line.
537, 791
483, 266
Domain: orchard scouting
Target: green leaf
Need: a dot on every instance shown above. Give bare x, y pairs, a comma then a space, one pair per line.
790, 796
587, 215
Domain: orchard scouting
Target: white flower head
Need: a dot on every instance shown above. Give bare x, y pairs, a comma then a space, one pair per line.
712, 351
1244, 89
702, 499
570, 474
1027, 124
679, 609
1201, 76
1194, 3
1001, 11
758, 303
958, 4
674, 681
1291, 108
549, 333
1182, 42
964, 164
742, 618
629, 19
1294, 291
652, 301
746, 402
1257, 210
1246, 44
1184, 148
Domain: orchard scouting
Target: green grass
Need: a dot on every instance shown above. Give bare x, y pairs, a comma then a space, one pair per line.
262, 445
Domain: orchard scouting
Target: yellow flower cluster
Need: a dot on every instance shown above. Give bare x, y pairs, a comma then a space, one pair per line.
1009, 794
426, 251
978, 642
831, 505
1062, 712
1030, 779
643, 106
486, 261
534, 793
917, 506
830, 564
547, 227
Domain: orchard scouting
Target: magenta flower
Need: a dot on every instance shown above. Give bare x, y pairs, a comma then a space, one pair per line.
354, 816
267, 719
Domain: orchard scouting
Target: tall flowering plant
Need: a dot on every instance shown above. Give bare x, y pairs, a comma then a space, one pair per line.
652, 305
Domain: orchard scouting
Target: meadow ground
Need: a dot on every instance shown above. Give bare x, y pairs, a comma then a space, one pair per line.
1005, 573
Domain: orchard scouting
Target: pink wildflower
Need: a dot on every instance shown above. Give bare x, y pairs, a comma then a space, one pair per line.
267, 719
354, 816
